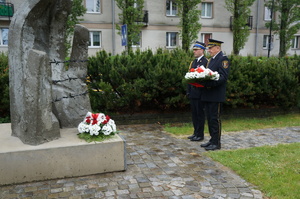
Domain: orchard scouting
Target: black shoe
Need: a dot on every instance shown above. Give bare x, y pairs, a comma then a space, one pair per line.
206, 144
197, 138
192, 136
213, 147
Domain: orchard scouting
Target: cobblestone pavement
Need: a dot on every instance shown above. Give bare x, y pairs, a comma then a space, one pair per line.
161, 166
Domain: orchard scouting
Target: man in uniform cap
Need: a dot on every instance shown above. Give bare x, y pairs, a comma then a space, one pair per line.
214, 93
194, 94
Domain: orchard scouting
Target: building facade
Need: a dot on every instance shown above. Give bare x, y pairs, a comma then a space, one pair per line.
161, 29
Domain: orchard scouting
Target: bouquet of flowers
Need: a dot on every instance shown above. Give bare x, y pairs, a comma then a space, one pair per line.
197, 75
96, 127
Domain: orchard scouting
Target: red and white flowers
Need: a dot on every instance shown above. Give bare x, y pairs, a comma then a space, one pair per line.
96, 125
197, 75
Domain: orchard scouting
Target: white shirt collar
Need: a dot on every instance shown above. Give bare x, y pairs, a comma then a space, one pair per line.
199, 57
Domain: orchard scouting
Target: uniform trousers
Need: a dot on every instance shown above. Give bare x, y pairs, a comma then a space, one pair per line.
198, 116
213, 111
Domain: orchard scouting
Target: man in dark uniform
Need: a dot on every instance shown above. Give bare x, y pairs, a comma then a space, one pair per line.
214, 93
194, 94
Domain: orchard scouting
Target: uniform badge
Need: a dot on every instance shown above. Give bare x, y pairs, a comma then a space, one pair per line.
225, 64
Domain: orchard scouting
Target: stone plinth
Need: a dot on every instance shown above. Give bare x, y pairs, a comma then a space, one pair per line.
68, 156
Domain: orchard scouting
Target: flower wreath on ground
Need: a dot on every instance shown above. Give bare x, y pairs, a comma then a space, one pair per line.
197, 75
96, 127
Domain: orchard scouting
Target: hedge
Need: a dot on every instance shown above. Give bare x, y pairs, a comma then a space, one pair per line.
138, 81
257, 82
153, 81
4, 88
147, 80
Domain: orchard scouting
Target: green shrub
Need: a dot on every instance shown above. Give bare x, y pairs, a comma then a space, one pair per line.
4, 87
263, 82
147, 80
144, 80
138, 81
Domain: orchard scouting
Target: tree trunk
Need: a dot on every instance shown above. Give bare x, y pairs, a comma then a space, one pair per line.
283, 30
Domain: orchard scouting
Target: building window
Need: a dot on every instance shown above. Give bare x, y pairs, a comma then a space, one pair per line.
138, 42
266, 42
267, 15
296, 42
171, 39
206, 10
95, 38
205, 37
93, 6
171, 8
4, 36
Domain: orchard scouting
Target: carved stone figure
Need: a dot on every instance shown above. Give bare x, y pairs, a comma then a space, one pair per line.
45, 95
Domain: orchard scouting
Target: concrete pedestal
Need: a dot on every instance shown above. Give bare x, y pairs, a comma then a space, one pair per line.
67, 156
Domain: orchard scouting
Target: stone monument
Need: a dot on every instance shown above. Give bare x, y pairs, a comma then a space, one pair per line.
45, 95
48, 99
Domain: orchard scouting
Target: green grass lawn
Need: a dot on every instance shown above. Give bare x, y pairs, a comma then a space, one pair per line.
275, 170
239, 124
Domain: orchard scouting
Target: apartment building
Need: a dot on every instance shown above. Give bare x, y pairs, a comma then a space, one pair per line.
160, 26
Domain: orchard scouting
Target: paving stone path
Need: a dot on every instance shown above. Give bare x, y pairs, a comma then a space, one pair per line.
161, 166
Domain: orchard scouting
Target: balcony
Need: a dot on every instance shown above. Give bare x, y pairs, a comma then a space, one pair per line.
6, 10
249, 22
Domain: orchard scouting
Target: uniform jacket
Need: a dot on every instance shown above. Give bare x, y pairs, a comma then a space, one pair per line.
194, 92
215, 91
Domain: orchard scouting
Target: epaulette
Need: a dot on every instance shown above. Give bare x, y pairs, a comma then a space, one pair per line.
225, 57
190, 65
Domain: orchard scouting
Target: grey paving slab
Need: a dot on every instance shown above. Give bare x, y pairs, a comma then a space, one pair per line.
161, 166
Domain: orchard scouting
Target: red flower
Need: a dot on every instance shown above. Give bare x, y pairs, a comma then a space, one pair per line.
95, 116
88, 119
199, 70
107, 119
192, 70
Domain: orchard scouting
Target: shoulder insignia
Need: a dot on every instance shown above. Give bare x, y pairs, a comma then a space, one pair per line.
190, 65
225, 64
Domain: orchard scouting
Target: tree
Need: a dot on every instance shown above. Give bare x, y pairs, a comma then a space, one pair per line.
240, 27
287, 24
132, 13
77, 11
189, 21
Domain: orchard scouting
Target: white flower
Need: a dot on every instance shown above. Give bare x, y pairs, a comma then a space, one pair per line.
101, 118
83, 127
205, 74
94, 129
106, 129
112, 124
215, 75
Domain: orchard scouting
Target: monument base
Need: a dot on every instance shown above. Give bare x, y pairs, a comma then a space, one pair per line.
67, 156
